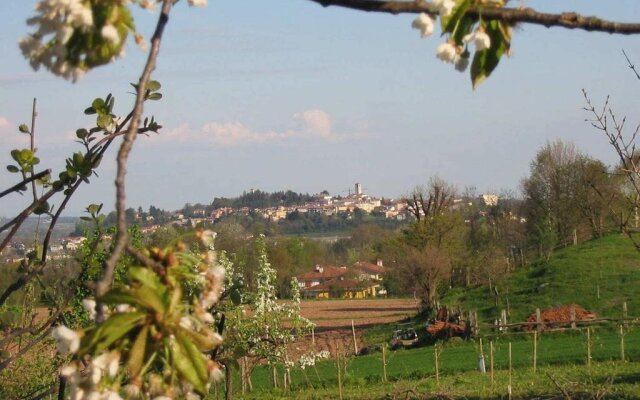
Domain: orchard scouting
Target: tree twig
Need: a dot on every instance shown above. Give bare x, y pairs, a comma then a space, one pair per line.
25, 181
568, 20
121, 234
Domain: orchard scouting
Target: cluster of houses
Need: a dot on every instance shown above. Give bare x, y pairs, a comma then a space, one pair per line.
321, 204
360, 280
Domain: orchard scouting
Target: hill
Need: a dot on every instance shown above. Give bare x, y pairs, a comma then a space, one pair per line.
600, 275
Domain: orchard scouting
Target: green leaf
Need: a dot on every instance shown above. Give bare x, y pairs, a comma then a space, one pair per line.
12, 168
23, 128
136, 355
154, 96
485, 61
449, 23
119, 296
150, 299
99, 105
196, 357
111, 330
82, 133
153, 86
42, 208
104, 120
89, 111
186, 366
147, 278
464, 27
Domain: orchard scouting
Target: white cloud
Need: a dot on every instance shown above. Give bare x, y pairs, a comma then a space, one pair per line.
4, 123
306, 125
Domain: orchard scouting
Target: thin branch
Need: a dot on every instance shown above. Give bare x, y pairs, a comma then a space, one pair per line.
32, 178
631, 66
569, 20
32, 136
121, 238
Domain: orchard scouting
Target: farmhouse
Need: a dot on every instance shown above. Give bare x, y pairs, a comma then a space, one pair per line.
359, 281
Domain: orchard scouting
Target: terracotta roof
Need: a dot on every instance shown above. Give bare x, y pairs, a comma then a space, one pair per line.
328, 272
369, 267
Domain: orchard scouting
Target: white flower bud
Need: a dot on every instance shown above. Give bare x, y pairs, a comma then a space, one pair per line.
68, 340
424, 23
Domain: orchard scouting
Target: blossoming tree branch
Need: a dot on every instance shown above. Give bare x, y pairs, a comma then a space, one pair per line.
486, 24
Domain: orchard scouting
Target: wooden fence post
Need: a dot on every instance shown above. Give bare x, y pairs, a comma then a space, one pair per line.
313, 336
622, 343
339, 372
589, 348
573, 317
538, 320
384, 363
598, 291
624, 310
535, 351
435, 350
503, 320
509, 388
355, 344
491, 361
476, 331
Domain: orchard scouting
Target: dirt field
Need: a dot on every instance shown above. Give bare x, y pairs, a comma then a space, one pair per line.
333, 320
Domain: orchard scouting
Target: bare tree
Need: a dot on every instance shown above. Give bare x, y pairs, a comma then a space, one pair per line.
427, 201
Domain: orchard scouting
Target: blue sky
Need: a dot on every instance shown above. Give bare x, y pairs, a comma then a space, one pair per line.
285, 94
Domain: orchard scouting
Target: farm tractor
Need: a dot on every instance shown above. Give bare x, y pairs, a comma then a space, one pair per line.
447, 325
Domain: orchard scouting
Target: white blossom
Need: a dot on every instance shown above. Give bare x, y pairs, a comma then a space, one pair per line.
444, 7
479, 38
68, 340
424, 23
110, 395
110, 33
105, 363
90, 306
447, 52
198, 3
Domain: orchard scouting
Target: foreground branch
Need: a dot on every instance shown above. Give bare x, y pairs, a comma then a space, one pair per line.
568, 20
121, 238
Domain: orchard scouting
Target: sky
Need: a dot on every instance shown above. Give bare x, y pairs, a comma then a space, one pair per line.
286, 94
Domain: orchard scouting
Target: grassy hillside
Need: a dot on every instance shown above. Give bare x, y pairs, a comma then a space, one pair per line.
609, 266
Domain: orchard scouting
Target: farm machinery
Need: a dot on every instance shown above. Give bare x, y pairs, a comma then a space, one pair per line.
447, 325
404, 336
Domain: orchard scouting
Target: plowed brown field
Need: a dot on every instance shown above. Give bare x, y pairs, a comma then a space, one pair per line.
333, 320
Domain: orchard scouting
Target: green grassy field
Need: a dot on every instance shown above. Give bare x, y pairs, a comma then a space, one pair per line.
600, 275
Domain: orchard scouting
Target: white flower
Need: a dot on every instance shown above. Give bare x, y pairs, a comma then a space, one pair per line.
162, 398
109, 395
68, 340
90, 306
198, 3
461, 63
424, 23
77, 393
64, 33
110, 33
123, 308
107, 362
447, 52
187, 323
444, 7
93, 395
480, 39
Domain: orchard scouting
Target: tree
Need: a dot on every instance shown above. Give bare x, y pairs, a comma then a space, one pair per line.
567, 195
